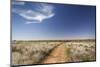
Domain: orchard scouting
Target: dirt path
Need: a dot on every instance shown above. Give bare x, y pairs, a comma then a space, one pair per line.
58, 55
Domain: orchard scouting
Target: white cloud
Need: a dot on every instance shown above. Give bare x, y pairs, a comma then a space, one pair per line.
29, 22
40, 13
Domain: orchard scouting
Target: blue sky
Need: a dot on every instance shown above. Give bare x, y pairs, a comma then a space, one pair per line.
45, 21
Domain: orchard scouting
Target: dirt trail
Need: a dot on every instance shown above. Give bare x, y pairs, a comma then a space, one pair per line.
58, 55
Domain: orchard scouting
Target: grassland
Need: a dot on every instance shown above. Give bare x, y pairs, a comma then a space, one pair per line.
52, 51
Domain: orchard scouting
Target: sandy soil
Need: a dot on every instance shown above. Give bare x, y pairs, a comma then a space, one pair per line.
58, 55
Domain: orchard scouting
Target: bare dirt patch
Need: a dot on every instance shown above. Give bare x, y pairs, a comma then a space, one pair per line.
58, 55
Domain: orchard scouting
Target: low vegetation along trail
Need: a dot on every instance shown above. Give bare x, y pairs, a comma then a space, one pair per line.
57, 55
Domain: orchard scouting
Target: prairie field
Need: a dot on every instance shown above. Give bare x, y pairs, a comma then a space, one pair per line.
52, 51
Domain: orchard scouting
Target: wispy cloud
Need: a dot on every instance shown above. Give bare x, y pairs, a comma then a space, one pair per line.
38, 15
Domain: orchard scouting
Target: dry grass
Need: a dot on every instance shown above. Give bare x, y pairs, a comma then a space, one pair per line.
34, 52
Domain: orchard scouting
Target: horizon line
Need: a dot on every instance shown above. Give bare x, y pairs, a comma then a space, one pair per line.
55, 39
